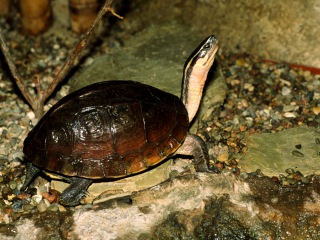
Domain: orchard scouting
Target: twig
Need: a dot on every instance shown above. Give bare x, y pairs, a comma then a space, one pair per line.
14, 71
37, 103
83, 43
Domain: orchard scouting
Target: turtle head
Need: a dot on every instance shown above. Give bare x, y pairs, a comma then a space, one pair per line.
195, 74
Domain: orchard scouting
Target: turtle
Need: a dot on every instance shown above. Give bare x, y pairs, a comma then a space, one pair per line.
116, 128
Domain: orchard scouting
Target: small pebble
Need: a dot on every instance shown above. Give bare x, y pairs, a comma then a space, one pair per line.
11, 197
249, 87
285, 91
13, 141
291, 181
30, 115
285, 183
52, 196
23, 196
56, 46
298, 146
12, 185
285, 82
35, 199
89, 61
288, 108
6, 192
289, 115
223, 157
53, 207
17, 205
16, 215
297, 153
297, 177
244, 175
28, 207
24, 122
6, 219
316, 110
290, 171
47, 107
15, 164
34, 121
304, 180
62, 208
43, 205
17, 154
275, 200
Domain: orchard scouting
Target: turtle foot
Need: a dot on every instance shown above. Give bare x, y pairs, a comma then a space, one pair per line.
196, 147
77, 190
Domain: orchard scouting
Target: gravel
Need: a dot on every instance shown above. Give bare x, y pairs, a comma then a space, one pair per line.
263, 97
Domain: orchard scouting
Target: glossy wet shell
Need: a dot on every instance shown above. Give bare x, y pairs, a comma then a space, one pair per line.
108, 130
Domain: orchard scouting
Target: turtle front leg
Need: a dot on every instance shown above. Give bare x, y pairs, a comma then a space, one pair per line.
32, 171
77, 189
194, 145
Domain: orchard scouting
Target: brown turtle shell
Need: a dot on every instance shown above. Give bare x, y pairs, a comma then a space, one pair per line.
108, 130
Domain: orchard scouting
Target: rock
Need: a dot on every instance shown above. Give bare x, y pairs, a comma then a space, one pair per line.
53, 207
43, 205
275, 30
35, 199
276, 152
193, 206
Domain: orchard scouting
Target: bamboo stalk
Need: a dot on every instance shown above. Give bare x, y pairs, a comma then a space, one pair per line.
83, 43
4, 7
82, 14
36, 15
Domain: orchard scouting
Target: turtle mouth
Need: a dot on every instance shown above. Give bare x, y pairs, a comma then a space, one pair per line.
212, 39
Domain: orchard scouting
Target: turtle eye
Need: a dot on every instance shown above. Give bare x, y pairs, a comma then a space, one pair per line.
208, 45
205, 49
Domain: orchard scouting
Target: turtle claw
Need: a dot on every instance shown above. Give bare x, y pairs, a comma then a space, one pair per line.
66, 200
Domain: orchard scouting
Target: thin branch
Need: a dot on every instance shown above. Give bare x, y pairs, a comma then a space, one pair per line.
82, 44
37, 102
14, 71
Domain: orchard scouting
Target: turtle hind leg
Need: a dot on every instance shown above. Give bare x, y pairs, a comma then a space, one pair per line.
32, 171
194, 146
77, 189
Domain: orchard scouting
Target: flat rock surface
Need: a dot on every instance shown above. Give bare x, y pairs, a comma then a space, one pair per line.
297, 148
213, 205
